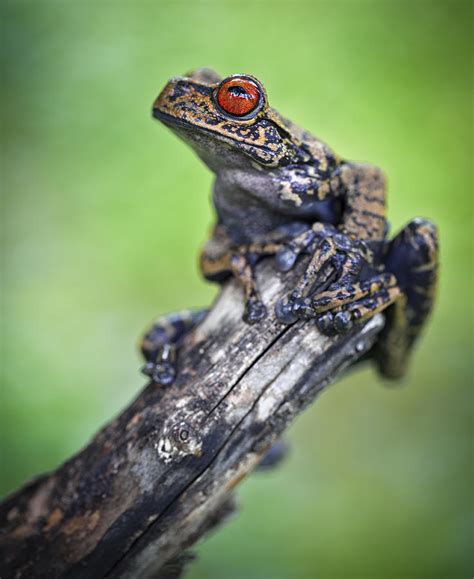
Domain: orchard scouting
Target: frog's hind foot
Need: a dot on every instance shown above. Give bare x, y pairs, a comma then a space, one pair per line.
161, 367
412, 257
161, 342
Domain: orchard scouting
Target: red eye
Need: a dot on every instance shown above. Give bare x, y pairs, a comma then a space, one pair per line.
238, 96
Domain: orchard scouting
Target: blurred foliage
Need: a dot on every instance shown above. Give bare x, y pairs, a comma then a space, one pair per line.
104, 211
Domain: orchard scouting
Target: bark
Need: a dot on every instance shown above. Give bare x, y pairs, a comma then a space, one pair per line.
162, 474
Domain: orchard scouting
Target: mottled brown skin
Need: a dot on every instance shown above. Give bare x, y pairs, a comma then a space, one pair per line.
280, 191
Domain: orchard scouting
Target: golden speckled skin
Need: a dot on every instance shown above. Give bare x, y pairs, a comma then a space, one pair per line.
281, 191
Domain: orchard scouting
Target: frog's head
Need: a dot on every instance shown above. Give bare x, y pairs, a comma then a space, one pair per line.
229, 121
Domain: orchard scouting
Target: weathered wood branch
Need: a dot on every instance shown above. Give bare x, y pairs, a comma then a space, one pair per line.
162, 473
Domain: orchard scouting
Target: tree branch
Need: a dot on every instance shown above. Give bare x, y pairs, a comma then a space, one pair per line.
161, 474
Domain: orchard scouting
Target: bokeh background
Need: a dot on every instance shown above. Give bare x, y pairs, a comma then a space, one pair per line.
104, 211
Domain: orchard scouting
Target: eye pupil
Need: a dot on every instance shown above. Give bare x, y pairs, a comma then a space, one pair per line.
239, 96
239, 91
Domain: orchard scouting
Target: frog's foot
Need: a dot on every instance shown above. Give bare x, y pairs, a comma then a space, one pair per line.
285, 243
220, 258
240, 261
162, 369
242, 267
161, 342
336, 263
255, 310
294, 307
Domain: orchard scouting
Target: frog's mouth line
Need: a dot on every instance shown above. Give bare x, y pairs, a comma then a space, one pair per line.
171, 121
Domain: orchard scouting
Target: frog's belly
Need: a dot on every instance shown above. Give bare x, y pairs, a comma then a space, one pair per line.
247, 218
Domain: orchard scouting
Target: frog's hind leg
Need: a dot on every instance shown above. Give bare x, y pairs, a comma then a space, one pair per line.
160, 343
412, 257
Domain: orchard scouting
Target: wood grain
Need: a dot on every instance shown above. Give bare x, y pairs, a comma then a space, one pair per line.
162, 473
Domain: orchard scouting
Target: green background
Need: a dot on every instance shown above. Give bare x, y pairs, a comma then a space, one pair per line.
104, 211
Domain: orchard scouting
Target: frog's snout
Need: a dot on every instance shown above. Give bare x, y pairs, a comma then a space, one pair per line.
187, 95
163, 100
177, 99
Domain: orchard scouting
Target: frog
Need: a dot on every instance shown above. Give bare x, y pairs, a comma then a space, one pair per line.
281, 192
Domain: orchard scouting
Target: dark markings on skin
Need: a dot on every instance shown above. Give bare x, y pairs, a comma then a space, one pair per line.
377, 200
372, 215
371, 272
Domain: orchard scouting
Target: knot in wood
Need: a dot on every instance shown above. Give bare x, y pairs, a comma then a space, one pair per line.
178, 439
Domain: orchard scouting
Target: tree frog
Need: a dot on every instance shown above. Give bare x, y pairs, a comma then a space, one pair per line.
280, 191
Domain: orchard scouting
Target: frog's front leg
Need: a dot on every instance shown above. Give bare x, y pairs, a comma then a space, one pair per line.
160, 343
344, 249
220, 259
331, 274
346, 299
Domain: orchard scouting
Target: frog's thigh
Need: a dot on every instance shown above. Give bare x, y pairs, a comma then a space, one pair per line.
215, 259
169, 330
413, 259
364, 213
